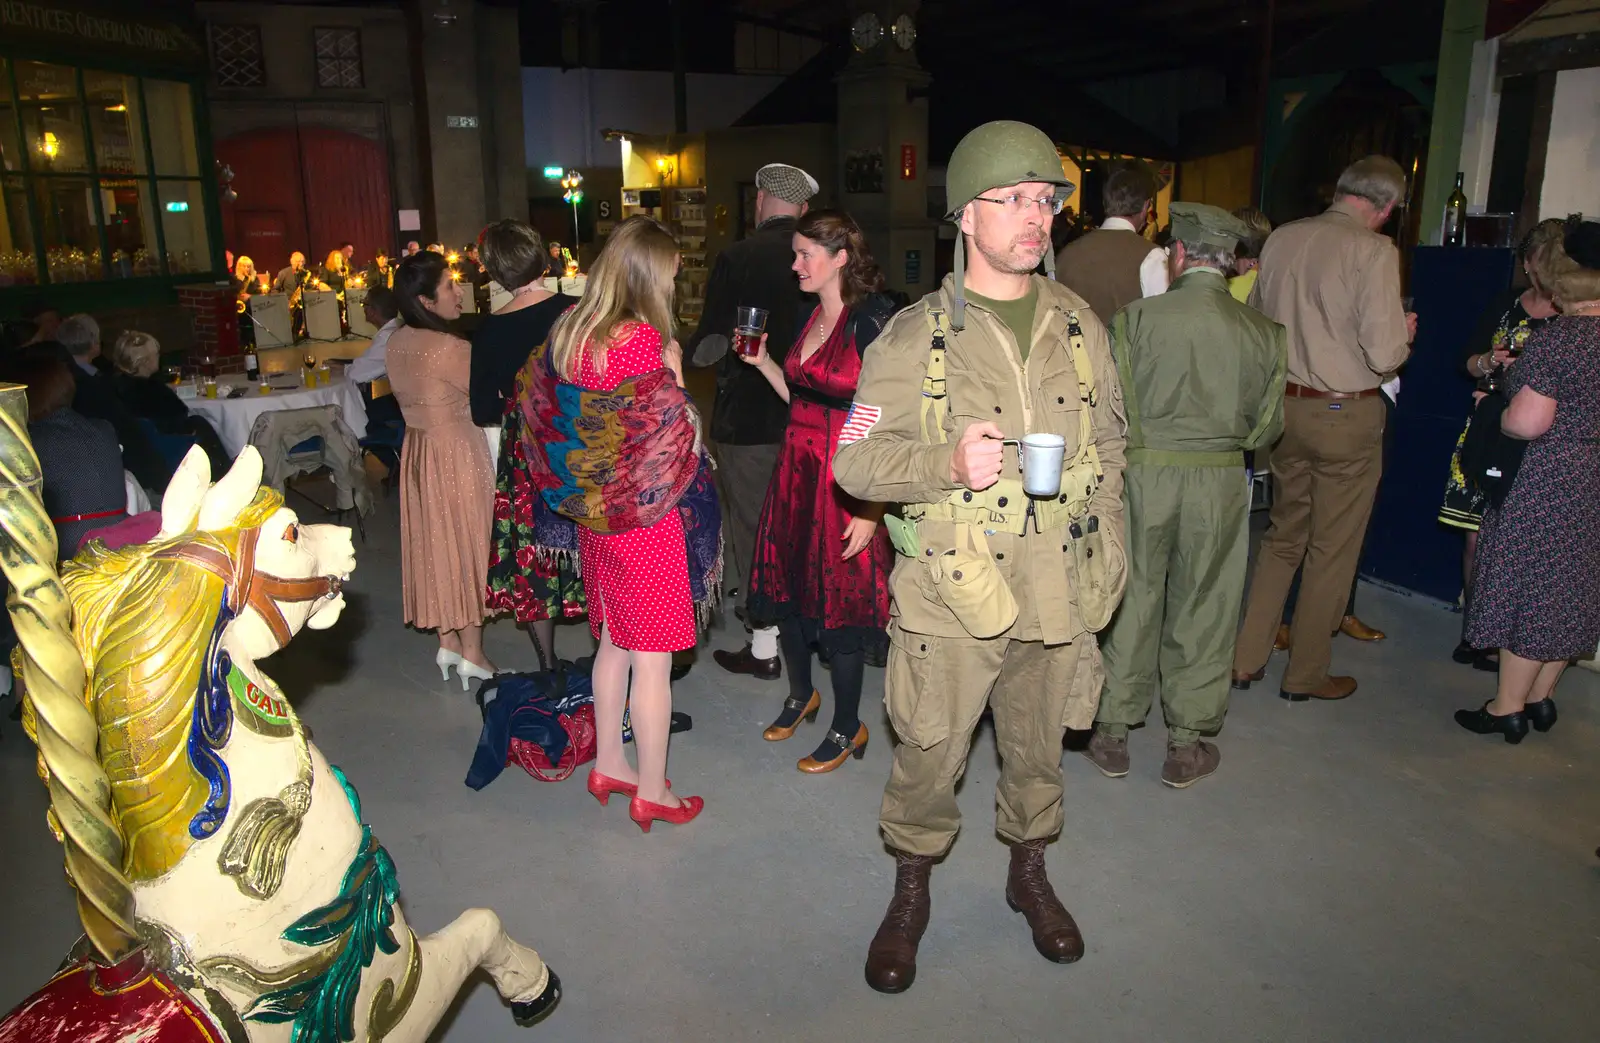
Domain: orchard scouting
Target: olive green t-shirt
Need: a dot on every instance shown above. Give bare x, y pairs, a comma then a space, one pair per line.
1017, 314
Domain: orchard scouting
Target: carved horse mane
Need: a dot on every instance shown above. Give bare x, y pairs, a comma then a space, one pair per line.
146, 621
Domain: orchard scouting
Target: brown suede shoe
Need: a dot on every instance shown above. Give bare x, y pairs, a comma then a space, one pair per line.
1189, 763
1350, 626
1332, 688
892, 956
1241, 682
1108, 754
1028, 891
742, 662
1281, 642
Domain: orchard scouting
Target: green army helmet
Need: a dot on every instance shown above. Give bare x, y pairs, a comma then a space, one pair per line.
998, 154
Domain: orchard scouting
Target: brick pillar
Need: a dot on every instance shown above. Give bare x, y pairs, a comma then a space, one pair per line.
216, 318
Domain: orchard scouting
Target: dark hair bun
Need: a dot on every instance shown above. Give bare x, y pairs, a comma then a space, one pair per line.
1583, 244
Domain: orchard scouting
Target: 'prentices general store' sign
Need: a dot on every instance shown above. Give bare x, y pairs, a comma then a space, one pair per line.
85, 26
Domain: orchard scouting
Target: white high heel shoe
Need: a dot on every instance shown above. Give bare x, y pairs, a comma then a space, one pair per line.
444, 660
469, 671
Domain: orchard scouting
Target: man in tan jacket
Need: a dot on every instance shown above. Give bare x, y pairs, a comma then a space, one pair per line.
1334, 282
996, 594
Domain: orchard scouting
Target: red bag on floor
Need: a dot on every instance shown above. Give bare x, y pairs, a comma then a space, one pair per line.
531, 758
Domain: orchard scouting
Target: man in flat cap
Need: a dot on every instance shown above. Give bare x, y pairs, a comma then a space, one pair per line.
748, 419
1202, 376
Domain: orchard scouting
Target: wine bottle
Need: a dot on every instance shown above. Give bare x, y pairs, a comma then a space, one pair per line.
1455, 216
252, 369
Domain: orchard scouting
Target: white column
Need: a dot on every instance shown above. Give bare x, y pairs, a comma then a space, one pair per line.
1482, 117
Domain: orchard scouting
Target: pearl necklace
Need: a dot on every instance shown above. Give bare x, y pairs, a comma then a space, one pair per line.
822, 326
1583, 307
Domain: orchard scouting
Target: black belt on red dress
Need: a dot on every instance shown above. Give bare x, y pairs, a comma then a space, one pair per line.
816, 397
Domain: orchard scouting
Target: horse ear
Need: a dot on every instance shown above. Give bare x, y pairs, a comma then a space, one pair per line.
233, 492
181, 502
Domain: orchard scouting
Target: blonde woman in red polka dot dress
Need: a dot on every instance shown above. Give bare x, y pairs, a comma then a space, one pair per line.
636, 582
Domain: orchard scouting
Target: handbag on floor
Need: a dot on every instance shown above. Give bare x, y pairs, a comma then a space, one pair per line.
542, 722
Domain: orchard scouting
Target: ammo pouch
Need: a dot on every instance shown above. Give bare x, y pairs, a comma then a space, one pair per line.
971, 587
1096, 572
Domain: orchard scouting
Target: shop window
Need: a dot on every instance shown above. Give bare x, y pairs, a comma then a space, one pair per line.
17, 263
338, 57
113, 104
183, 222
236, 55
172, 137
99, 177
52, 118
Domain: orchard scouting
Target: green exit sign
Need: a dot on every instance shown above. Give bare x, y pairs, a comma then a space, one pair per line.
177, 207
554, 173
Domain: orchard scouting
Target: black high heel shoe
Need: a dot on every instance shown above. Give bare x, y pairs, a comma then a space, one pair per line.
1542, 714
1513, 727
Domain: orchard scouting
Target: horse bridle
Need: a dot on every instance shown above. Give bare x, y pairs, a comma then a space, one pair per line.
249, 588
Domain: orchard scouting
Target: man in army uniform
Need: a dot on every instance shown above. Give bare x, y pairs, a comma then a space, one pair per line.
996, 594
1202, 380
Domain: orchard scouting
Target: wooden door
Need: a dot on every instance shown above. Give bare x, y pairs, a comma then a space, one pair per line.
262, 236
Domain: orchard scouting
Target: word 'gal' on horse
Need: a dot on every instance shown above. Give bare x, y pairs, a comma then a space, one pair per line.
228, 889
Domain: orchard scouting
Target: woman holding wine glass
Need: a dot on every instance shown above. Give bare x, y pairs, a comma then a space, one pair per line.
821, 565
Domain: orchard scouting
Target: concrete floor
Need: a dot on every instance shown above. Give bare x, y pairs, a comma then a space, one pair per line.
1361, 871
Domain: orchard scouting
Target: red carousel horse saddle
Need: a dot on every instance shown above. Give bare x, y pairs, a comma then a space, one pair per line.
88, 1003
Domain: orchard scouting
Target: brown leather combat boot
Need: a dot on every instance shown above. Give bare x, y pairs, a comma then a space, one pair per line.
892, 956
1028, 891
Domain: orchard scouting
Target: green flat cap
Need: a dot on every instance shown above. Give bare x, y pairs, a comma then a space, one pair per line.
1204, 223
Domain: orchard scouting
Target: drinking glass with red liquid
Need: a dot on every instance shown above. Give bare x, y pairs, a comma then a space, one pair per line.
751, 324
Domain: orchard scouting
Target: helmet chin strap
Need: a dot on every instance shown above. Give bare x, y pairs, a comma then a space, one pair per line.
958, 311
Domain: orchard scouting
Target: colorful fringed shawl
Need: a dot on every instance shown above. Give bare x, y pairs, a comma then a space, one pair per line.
621, 459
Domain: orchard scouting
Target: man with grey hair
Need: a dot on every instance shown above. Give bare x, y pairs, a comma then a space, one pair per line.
1334, 281
1202, 378
80, 335
96, 397
748, 419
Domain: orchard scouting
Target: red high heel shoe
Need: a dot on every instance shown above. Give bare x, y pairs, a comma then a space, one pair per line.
644, 812
602, 786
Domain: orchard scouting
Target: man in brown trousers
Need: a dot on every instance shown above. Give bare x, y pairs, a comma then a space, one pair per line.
1334, 282
1115, 265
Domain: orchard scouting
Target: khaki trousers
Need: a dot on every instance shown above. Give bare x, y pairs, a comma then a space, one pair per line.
936, 690
1325, 473
743, 472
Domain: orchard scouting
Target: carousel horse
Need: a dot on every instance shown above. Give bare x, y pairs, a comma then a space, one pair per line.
227, 886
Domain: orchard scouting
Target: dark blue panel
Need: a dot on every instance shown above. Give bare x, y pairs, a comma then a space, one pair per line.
1406, 545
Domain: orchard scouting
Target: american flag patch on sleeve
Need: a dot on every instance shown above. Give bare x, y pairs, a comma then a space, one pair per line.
859, 423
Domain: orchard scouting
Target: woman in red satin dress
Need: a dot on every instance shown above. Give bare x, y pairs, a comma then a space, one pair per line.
636, 582
821, 562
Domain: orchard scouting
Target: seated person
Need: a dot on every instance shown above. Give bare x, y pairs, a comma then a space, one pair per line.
379, 310
78, 457
134, 357
96, 398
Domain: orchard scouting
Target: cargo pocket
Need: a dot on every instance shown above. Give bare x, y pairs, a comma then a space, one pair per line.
919, 715
1099, 572
1088, 678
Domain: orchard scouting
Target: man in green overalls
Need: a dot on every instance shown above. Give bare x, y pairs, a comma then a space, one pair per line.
1202, 378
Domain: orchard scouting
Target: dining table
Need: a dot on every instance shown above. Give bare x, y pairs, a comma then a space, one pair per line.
234, 414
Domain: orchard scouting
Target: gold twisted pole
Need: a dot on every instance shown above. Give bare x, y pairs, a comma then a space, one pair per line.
53, 679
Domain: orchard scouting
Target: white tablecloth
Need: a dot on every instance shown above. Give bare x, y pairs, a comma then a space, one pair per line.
234, 417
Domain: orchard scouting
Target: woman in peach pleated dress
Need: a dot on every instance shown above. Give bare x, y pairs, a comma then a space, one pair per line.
446, 479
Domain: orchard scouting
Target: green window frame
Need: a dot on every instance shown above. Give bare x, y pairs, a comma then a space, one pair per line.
162, 178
